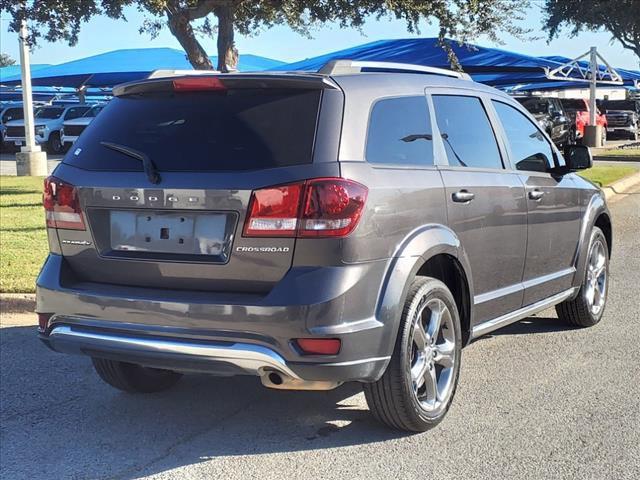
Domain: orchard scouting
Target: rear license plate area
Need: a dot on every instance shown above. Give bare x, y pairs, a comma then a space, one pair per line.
185, 236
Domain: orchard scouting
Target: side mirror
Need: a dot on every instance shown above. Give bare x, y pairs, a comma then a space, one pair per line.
577, 157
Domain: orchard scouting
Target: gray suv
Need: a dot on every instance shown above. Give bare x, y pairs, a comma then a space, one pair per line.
362, 223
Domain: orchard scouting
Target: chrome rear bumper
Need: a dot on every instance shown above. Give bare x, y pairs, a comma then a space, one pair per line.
219, 358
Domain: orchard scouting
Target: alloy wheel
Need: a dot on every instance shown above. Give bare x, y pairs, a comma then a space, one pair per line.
433, 355
596, 284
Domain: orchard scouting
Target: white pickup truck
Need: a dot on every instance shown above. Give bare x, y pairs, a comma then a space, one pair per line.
48, 123
72, 129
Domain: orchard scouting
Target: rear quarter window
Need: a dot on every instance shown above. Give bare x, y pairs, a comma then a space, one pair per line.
400, 132
238, 129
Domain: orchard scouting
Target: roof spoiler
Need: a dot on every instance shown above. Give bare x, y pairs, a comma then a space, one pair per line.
163, 80
342, 67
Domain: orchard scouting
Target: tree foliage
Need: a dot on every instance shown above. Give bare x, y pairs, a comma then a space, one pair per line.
6, 60
619, 17
189, 20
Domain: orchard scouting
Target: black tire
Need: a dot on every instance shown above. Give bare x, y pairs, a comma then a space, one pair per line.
579, 311
132, 378
54, 144
392, 399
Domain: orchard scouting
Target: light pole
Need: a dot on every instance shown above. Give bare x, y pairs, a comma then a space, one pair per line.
31, 160
593, 134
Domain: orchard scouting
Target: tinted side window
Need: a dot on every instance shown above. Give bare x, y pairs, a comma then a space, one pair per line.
400, 132
529, 148
466, 132
12, 114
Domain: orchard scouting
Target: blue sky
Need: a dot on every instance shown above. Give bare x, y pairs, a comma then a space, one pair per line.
103, 34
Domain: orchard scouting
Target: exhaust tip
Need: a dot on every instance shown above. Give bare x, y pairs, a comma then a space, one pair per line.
275, 378
281, 381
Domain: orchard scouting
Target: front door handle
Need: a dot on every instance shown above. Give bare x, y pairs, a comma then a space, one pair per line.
463, 196
536, 195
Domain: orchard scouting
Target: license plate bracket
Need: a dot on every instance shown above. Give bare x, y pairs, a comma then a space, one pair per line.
181, 233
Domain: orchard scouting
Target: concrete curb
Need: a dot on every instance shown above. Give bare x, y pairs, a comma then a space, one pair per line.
617, 189
17, 302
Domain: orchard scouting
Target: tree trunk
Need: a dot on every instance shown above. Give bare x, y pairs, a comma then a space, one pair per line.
181, 29
227, 52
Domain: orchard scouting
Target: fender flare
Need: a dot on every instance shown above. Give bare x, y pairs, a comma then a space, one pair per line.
597, 206
418, 247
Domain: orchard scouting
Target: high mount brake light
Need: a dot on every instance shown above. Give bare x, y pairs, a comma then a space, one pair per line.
321, 207
197, 84
61, 205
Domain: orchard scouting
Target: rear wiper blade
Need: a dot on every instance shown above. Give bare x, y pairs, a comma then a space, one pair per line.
149, 167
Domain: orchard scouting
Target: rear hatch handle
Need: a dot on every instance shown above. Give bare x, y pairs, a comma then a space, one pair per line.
149, 167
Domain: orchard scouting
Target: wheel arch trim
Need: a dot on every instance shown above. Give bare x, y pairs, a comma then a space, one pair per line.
416, 250
595, 209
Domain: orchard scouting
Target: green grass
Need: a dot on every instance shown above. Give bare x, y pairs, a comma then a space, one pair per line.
23, 238
604, 175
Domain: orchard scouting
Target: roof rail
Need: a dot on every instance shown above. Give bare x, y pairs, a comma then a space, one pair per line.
162, 73
337, 67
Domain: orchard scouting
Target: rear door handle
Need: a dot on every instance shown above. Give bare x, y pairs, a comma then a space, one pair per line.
536, 195
463, 196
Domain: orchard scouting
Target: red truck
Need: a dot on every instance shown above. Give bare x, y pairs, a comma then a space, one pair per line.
578, 110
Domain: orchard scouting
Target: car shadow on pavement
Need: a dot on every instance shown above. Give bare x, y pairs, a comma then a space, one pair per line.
56, 405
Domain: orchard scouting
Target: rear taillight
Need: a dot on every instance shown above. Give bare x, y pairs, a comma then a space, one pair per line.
332, 207
321, 207
61, 205
273, 212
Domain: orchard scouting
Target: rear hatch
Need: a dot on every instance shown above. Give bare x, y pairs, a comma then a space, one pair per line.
172, 213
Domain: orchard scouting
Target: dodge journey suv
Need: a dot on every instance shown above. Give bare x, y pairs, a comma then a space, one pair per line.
362, 223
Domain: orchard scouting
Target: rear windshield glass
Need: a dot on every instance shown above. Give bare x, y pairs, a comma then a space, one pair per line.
241, 129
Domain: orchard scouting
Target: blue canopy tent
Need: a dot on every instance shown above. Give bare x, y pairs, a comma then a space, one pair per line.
118, 66
492, 66
11, 70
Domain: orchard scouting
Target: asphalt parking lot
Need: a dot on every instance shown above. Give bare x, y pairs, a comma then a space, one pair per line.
536, 400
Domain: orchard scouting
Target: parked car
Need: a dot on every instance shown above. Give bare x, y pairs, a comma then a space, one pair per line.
578, 111
48, 123
550, 115
623, 117
315, 229
8, 112
72, 129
